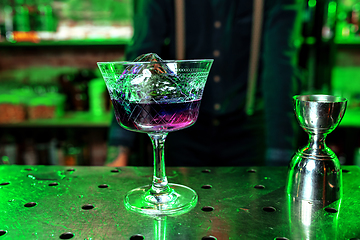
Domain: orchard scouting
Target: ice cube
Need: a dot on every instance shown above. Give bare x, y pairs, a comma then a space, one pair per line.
148, 57
152, 82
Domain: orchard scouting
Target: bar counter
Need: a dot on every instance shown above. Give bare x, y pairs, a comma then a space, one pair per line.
57, 202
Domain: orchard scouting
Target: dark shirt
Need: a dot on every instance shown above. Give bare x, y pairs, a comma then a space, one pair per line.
221, 30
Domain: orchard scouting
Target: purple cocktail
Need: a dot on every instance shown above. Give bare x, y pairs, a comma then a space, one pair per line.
156, 117
157, 97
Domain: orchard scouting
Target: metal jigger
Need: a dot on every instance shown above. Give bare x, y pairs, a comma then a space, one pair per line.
314, 172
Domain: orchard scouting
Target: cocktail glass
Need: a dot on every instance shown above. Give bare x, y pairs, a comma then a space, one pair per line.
156, 98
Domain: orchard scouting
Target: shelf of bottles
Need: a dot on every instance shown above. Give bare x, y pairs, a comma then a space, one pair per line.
77, 98
65, 22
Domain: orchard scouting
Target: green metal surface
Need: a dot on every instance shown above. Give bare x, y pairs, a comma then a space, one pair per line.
54, 202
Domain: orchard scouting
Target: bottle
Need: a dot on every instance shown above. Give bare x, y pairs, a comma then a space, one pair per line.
45, 19
33, 13
8, 22
21, 17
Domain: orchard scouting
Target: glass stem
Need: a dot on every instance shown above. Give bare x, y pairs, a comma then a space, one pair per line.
160, 182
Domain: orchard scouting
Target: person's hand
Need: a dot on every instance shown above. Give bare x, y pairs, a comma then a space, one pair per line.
117, 156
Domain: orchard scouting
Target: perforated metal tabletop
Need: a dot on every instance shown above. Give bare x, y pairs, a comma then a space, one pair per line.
55, 202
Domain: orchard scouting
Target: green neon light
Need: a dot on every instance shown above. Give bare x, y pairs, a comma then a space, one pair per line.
312, 3
310, 40
342, 15
332, 7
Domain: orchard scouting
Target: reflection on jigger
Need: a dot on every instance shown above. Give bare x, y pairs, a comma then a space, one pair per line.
312, 219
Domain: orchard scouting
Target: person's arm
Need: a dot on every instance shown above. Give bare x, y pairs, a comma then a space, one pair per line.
120, 141
117, 156
280, 79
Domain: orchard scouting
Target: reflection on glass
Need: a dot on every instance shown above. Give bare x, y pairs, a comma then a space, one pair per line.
160, 224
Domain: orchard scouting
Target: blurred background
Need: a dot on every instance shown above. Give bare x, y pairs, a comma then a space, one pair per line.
54, 107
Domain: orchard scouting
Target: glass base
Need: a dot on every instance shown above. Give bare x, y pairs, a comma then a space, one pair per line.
179, 200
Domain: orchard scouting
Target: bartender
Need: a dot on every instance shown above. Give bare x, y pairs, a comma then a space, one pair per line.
226, 132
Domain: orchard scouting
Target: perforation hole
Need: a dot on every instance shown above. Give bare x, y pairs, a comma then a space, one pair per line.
331, 210
209, 238
269, 209
137, 237
67, 235
87, 206
30, 204
207, 208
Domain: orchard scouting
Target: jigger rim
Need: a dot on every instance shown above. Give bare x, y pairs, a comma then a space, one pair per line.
322, 98
163, 61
